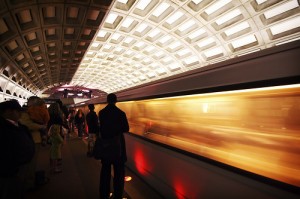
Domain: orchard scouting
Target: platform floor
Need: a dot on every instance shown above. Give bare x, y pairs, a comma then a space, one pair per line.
80, 176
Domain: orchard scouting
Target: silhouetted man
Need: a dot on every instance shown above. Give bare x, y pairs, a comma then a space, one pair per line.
113, 122
93, 128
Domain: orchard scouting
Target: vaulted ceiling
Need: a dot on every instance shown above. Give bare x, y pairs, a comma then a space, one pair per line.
115, 45
43, 41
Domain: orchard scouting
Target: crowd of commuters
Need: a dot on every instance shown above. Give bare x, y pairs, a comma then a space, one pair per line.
24, 130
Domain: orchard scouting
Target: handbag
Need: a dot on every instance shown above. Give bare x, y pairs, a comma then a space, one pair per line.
107, 149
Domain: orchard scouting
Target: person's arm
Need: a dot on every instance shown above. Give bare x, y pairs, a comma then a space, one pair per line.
125, 125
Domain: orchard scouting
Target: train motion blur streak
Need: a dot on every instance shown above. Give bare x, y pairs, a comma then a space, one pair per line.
255, 130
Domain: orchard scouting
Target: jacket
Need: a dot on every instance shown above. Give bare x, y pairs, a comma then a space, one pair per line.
113, 121
33, 127
17, 147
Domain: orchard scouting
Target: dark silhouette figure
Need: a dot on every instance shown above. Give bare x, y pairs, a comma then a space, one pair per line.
71, 118
80, 122
17, 148
113, 122
93, 128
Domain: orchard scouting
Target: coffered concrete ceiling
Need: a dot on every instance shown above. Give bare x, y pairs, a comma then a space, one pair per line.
43, 41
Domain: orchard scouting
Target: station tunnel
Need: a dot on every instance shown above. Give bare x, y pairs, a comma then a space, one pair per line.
211, 89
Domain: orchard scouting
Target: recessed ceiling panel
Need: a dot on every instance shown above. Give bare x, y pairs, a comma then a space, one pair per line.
146, 40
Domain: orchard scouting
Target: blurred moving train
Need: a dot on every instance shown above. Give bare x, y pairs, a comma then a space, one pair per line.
256, 130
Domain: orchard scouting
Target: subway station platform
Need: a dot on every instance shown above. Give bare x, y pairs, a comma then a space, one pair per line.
80, 176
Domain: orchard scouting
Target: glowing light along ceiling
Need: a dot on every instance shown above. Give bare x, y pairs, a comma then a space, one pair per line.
146, 40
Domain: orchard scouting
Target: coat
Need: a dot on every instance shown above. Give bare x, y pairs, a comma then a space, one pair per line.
17, 147
113, 121
33, 127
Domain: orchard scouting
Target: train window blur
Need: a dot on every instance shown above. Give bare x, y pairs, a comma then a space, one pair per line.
256, 130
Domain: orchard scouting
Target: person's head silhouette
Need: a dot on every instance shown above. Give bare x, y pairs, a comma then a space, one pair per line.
111, 98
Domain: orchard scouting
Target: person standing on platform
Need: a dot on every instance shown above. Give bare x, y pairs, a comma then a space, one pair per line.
65, 112
35, 118
71, 117
38, 113
17, 147
80, 122
55, 150
56, 118
93, 128
113, 122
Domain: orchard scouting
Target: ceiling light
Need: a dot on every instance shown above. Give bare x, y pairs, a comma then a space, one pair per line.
174, 66
149, 49
213, 52
205, 42
228, 16
260, 1
140, 44
186, 25
167, 60
287, 41
191, 60
128, 40
95, 45
142, 4
237, 28
175, 44
197, 1
281, 9
101, 33
142, 77
216, 6
183, 52
286, 25
127, 22
244, 41
116, 36
154, 33
161, 71
165, 39
174, 17
111, 18
151, 74
123, 1
159, 53
142, 27
160, 9
107, 46
196, 33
